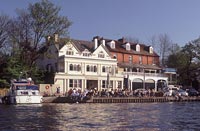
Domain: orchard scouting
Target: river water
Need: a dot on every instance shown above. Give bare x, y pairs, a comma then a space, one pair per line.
179, 116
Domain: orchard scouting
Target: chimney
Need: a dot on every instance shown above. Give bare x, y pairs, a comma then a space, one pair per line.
122, 40
96, 39
103, 42
95, 43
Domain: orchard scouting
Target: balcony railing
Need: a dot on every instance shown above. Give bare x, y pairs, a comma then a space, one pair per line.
142, 74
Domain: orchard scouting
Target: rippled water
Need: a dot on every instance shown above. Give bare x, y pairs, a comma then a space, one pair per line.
86, 117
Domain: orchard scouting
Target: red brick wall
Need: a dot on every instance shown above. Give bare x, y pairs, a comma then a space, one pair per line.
136, 59
126, 58
150, 60
145, 59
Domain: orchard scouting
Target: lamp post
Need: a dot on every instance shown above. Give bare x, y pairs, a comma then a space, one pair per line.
128, 82
108, 77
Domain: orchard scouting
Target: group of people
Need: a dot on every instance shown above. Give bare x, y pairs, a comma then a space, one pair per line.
125, 93
77, 95
87, 93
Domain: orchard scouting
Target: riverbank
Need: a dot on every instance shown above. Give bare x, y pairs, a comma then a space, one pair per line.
121, 99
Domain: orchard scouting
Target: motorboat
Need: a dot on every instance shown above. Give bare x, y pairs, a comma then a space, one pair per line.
23, 92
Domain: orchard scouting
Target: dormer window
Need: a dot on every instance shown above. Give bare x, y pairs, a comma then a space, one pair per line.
112, 44
101, 54
128, 47
138, 48
151, 50
70, 52
86, 53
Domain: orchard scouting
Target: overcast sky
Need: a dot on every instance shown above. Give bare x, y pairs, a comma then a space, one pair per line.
113, 19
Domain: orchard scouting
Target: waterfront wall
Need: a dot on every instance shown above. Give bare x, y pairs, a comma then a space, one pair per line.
123, 99
143, 99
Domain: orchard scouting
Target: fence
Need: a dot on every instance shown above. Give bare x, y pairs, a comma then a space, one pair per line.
3, 91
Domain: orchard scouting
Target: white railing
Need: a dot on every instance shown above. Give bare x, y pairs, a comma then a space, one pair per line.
142, 74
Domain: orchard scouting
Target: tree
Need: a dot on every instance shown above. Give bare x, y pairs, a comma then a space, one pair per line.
32, 25
186, 61
10, 70
14, 68
26, 33
196, 44
164, 44
191, 50
176, 57
153, 41
4, 22
45, 20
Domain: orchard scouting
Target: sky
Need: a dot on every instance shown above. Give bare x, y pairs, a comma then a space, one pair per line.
114, 19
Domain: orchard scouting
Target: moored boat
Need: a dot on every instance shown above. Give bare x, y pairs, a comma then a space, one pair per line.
23, 92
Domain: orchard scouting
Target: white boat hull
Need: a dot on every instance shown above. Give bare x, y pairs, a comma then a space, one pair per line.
25, 99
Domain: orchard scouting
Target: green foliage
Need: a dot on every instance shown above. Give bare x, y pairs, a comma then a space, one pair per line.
9, 71
4, 83
26, 33
37, 75
186, 61
16, 69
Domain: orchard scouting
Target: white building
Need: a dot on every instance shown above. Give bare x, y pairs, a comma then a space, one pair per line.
101, 64
81, 65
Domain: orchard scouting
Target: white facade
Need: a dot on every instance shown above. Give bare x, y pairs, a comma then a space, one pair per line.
85, 69
148, 80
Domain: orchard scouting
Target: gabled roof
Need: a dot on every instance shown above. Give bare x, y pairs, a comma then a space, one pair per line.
120, 47
80, 44
107, 51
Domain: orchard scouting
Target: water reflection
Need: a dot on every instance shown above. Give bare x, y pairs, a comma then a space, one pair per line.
131, 116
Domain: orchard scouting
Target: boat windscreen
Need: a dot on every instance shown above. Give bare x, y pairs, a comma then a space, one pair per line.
21, 87
27, 87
